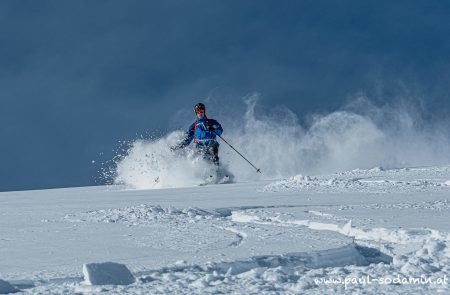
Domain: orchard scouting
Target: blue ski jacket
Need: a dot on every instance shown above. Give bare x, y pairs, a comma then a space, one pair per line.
203, 132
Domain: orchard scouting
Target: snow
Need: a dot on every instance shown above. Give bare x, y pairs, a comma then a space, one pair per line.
358, 231
360, 136
107, 273
6, 288
365, 180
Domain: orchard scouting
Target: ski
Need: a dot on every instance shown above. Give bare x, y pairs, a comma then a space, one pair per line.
211, 180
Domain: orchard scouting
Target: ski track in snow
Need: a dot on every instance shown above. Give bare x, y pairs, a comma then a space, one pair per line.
239, 234
377, 252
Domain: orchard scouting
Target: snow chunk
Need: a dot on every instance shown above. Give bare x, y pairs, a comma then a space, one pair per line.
108, 273
447, 182
377, 169
6, 288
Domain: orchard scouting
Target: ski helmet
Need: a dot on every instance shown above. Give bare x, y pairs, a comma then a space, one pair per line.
199, 106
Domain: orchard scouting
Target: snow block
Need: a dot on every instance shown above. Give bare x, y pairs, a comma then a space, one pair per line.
107, 273
6, 288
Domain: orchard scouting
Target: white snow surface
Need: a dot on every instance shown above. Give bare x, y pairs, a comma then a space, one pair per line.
299, 235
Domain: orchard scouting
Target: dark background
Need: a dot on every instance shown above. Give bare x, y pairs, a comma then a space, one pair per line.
79, 77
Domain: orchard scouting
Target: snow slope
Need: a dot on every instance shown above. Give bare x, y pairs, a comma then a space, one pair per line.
376, 231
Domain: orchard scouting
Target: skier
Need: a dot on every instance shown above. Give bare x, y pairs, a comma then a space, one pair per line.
203, 131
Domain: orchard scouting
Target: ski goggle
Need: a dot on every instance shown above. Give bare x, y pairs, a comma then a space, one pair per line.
199, 111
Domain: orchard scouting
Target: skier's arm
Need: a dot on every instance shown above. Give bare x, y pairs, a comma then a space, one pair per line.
189, 136
216, 128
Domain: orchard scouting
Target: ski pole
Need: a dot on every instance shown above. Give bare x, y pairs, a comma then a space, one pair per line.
257, 169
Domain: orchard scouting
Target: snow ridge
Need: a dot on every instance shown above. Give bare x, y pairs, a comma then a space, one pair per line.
142, 215
361, 180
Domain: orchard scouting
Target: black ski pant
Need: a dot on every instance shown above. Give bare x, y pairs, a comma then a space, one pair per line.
209, 153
